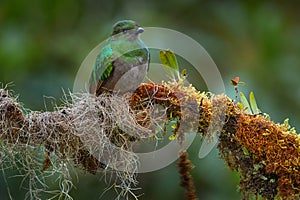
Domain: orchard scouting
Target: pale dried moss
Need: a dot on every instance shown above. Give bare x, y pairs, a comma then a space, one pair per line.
91, 132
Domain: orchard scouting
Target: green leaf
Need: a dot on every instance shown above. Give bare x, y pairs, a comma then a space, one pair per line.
173, 136
240, 106
253, 104
168, 59
245, 150
245, 103
183, 74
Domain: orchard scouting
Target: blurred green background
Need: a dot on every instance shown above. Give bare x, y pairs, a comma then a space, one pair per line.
42, 44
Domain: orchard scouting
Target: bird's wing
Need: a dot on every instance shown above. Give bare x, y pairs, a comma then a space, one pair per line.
102, 69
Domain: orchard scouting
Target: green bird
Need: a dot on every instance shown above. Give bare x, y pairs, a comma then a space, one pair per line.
122, 63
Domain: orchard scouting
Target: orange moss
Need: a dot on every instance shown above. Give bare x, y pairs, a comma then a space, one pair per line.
276, 146
185, 166
266, 154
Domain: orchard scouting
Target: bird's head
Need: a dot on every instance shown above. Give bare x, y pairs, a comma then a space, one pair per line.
126, 29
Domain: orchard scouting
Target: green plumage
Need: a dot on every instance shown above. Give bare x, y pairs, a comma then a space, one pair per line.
122, 63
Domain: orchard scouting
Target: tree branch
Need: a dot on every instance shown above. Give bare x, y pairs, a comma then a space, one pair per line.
267, 155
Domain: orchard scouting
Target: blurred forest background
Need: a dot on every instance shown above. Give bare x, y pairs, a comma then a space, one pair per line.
42, 45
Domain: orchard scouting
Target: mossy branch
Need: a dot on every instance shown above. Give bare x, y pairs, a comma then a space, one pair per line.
266, 154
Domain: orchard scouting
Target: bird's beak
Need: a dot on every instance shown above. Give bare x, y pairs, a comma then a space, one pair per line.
139, 30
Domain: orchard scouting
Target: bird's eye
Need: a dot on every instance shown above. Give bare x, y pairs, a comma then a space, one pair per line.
125, 31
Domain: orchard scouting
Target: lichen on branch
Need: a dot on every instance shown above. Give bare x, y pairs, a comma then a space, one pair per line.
85, 131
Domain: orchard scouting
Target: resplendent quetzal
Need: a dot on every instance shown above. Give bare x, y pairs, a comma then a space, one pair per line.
122, 63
